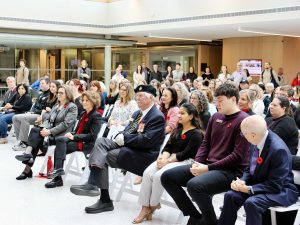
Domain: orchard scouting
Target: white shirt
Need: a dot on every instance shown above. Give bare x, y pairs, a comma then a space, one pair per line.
146, 111
261, 144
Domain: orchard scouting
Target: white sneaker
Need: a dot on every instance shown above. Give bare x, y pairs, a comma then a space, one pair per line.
19, 147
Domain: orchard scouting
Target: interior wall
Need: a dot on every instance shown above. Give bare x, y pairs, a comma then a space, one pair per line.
212, 55
291, 56
266, 48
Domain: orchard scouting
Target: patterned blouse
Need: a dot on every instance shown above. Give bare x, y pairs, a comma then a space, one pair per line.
122, 114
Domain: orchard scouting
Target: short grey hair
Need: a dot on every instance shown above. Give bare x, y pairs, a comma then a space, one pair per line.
11, 78
270, 85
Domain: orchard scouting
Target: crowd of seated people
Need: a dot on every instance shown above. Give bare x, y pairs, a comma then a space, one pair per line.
203, 117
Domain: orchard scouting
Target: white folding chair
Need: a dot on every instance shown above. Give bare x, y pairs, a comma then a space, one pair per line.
126, 185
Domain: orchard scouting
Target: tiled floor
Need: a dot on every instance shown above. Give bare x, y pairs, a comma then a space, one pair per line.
28, 202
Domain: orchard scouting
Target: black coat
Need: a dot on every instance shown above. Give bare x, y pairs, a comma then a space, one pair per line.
21, 104
142, 148
90, 131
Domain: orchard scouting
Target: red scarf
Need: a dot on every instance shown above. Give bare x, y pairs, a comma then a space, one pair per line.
83, 121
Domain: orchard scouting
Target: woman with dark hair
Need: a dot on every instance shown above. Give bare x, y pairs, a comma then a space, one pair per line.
78, 89
169, 73
207, 76
52, 100
83, 139
20, 103
296, 80
282, 124
169, 108
182, 146
96, 87
191, 75
199, 100
61, 120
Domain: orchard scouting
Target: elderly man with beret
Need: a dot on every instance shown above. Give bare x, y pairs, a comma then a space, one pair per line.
134, 150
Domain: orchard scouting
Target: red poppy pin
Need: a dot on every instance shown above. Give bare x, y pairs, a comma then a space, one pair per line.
183, 137
65, 106
229, 125
259, 160
168, 118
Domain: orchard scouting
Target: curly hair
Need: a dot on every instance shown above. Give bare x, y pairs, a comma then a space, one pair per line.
203, 102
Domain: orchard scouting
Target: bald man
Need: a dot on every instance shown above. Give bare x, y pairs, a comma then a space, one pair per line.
268, 181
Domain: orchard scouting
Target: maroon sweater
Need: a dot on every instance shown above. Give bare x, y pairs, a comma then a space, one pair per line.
223, 147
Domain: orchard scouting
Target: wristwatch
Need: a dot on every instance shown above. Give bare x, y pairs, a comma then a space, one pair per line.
249, 190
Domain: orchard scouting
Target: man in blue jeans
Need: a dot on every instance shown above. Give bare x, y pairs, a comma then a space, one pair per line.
221, 158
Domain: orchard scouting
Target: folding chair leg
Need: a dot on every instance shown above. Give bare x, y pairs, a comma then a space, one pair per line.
123, 186
273, 217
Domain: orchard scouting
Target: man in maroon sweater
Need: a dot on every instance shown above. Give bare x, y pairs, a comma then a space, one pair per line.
221, 158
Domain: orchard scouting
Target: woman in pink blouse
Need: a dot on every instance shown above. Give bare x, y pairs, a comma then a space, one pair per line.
169, 108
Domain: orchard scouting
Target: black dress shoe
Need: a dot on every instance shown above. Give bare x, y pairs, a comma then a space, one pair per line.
24, 175
99, 207
54, 183
24, 157
85, 190
56, 173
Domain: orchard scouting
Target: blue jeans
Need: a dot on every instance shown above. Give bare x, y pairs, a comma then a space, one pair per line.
5, 119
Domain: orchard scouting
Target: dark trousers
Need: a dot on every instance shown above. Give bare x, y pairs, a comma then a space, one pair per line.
63, 147
254, 206
36, 141
201, 188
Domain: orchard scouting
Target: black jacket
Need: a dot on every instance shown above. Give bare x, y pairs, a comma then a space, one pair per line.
21, 104
40, 103
90, 131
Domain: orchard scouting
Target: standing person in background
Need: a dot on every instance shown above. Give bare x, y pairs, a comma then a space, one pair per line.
281, 76
123, 72
238, 75
296, 80
169, 73
22, 75
83, 72
269, 75
191, 74
118, 76
155, 74
224, 74
207, 75
147, 72
178, 73
138, 75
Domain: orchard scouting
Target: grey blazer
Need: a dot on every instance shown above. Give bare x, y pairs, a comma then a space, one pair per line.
61, 121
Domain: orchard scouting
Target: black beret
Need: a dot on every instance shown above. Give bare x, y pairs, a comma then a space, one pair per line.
146, 88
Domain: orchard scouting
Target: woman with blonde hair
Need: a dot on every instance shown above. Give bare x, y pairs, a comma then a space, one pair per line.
113, 93
124, 107
258, 104
182, 93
